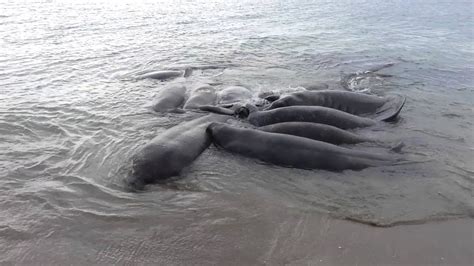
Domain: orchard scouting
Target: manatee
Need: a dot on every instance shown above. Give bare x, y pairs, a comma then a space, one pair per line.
169, 99
292, 151
170, 152
166, 74
234, 94
314, 114
201, 96
379, 108
316, 131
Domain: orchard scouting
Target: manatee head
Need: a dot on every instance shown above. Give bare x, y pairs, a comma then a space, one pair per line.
213, 127
245, 111
242, 112
133, 183
214, 130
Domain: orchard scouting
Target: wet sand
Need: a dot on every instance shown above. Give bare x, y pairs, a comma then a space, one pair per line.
346, 243
255, 232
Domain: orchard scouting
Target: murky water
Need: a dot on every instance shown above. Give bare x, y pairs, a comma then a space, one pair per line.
72, 114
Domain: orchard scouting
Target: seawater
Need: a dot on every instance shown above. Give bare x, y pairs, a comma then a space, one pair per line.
72, 114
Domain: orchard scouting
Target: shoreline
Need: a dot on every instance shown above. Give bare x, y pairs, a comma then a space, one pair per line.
296, 238
447, 242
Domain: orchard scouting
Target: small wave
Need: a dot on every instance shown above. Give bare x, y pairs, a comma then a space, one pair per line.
452, 115
12, 234
388, 223
362, 81
103, 216
440, 135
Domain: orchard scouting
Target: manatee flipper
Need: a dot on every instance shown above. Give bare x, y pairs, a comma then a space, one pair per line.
390, 110
217, 110
380, 67
188, 72
397, 147
227, 105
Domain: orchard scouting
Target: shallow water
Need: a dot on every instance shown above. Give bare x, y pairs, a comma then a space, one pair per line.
72, 114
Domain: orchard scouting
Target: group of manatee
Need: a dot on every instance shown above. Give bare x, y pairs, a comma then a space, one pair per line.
300, 129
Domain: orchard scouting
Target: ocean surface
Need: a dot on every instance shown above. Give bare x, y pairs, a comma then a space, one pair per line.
72, 113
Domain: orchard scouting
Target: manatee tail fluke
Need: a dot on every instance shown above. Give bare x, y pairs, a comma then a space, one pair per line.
392, 117
390, 110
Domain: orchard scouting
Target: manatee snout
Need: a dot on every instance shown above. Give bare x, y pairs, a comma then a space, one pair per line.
214, 130
242, 112
212, 127
134, 183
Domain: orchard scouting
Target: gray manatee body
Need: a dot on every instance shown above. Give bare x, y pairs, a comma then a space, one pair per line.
166, 74
169, 99
169, 153
315, 131
162, 75
379, 108
201, 96
292, 151
234, 94
313, 114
